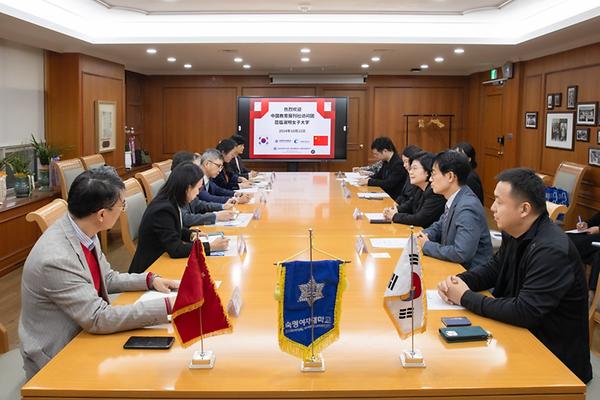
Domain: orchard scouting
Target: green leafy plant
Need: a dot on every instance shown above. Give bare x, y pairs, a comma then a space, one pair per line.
19, 165
43, 151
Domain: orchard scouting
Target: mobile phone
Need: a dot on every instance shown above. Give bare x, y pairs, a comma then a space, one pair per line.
464, 334
456, 321
379, 221
149, 342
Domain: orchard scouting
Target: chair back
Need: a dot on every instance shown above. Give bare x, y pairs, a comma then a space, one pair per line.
152, 180
93, 161
68, 170
554, 210
3, 339
48, 214
568, 178
132, 217
164, 166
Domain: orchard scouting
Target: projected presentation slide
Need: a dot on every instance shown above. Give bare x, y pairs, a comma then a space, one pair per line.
292, 128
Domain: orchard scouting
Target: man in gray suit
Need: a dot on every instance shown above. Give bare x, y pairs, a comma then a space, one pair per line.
66, 278
461, 234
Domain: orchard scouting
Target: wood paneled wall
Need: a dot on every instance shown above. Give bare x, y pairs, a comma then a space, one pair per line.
74, 82
195, 112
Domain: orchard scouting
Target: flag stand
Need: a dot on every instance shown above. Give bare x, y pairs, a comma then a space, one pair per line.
412, 358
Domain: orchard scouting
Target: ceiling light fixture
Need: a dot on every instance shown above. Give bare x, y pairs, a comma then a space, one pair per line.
305, 50
439, 59
424, 66
305, 59
171, 59
238, 59
151, 51
247, 66
375, 59
459, 50
365, 66
188, 66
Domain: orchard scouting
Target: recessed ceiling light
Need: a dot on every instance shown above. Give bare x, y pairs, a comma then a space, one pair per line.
459, 50
151, 51
247, 66
424, 66
365, 66
305, 59
375, 59
171, 59
238, 59
305, 50
439, 59
188, 66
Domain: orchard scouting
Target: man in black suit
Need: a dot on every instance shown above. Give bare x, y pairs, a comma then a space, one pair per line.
392, 175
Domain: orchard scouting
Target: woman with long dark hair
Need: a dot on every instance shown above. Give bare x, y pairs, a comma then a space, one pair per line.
473, 180
227, 178
161, 229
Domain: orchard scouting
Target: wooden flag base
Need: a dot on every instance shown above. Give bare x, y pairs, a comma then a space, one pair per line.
412, 359
203, 360
314, 364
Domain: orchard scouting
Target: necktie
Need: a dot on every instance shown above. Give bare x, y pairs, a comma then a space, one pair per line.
444, 219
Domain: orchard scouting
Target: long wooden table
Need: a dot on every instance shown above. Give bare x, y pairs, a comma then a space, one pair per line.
363, 363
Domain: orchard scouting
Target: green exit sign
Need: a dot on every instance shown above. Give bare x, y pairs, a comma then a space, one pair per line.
494, 74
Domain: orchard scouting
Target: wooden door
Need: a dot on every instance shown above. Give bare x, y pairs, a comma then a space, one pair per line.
357, 149
492, 135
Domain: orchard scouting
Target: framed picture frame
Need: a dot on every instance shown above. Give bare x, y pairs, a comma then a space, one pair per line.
598, 137
571, 97
559, 130
557, 99
106, 126
550, 101
594, 157
587, 113
531, 119
582, 134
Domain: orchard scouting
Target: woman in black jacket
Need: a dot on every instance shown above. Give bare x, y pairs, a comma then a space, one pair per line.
161, 229
424, 207
473, 180
227, 178
408, 190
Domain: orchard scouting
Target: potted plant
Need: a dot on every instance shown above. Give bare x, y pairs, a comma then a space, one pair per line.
3, 164
44, 153
20, 168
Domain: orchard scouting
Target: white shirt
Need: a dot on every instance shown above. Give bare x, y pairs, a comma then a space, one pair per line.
451, 199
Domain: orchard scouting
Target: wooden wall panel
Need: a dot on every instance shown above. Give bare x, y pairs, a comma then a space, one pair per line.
530, 151
196, 118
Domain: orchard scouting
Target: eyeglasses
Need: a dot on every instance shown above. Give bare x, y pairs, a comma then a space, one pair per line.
220, 166
123, 205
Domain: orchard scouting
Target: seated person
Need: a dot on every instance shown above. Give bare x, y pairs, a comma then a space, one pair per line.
236, 164
161, 228
211, 163
408, 189
461, 235
67, 279
537, 274
200, 212
424, 207
589, 232
369, 170
227, 178
473, 180
392, 175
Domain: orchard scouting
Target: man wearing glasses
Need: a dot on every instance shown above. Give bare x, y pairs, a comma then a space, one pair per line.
67, 279
211, 163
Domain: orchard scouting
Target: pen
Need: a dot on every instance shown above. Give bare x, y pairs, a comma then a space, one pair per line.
579, 216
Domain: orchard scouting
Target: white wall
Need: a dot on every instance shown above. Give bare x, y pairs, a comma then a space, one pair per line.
21, 93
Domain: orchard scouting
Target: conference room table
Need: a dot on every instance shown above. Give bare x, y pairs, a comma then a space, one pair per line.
363, 363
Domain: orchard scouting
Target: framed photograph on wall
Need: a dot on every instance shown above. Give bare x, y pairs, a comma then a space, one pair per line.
587, 113
559, 130
106, 126
598, 137
594, 157
531, 119
557, 99
582, 134
571, 97
550, 101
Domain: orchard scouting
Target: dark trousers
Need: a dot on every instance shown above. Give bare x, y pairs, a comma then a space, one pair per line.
589, 254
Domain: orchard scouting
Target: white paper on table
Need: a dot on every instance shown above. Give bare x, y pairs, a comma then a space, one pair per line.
247, 190
241, 221
352, 175
252, 200
373, 195
261, 184
575, 231
231, 250
380, 255
353, 182
435, 302
389, 243
372, 216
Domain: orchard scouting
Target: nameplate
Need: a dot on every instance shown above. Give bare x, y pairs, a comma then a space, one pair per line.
257, 213
357, 214
360, 245
241, 245
235, 303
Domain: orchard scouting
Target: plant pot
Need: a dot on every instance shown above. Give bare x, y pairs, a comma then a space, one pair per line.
44, 178
22, 187
2, 188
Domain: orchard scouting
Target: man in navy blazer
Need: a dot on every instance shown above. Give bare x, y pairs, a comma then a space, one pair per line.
211, 163
461, 234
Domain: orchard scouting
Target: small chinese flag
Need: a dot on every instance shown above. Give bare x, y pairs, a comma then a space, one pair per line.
320, 140
198, 297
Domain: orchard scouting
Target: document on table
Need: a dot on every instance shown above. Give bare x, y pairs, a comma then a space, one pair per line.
231, 250
572, 231
248, 190
241, 221
373, 195
372, 216
435, 302
380, 255
389, 243
153, 294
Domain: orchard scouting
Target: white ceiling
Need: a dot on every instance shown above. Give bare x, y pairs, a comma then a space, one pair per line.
340, 34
